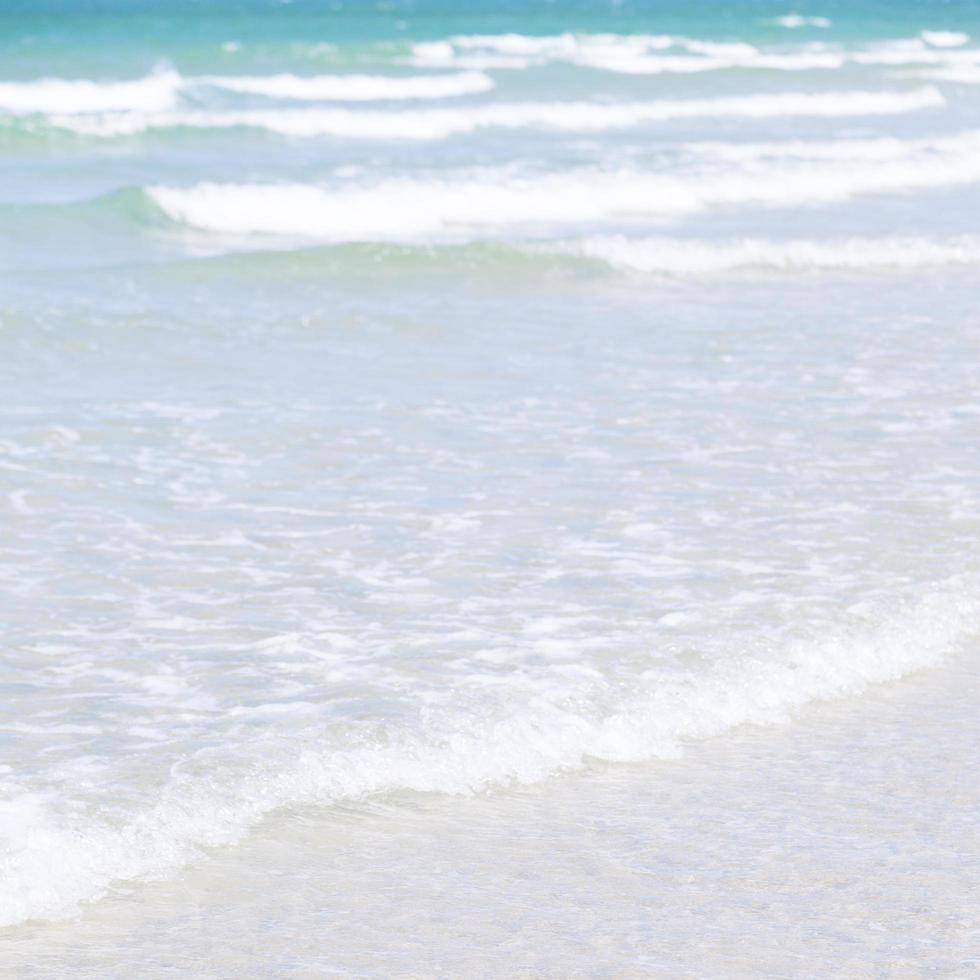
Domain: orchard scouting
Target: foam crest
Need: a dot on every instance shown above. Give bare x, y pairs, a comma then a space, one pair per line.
961, 76
161, 91
636, 54
945, 39
433, 124
55, 95
615, 61
355, 88
641, 54
915, 51
795, 21
675, 257
410, 208
854, 150
49, 864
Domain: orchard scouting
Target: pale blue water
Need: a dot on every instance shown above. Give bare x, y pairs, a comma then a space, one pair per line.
435, 398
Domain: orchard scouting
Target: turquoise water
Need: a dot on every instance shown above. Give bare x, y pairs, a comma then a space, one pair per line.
407, 403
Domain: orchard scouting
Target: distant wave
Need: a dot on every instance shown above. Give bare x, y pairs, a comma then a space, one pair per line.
623, 53
431, 124
910, 53
653, 54
964, 76
352, 88
55, 95
614, 60
524, 744
945, 39
161, 90
854, 151
793, 21
458, 66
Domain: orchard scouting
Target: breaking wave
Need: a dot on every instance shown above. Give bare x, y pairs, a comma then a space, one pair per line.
354, 88
628, 54
407, 208
56, 95
49, 867
432, 124
162, 90
663, 257
674, 257
794, 21
654, 54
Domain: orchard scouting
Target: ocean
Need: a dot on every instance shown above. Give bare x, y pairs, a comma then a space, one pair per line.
489, 489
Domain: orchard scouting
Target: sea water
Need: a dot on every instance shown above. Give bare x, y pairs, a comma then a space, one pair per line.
433, 434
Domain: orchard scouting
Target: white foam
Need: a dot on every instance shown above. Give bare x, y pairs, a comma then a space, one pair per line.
635, 54
154, 93
623, 54
640, 54
660, 64
961, 76
945, 39
794, 21
524, 44
692, 258
430, 124
354, 88
914, 51
160, 92
50, 864
403, 209
884, 148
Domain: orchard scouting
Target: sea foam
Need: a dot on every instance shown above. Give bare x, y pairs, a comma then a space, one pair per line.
442, 123
353, 88
151, 94
675, 257
639, 54
162, 90
794, 21
49, 865
407, 208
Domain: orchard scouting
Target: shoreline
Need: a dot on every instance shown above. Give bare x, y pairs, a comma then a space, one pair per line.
842, 838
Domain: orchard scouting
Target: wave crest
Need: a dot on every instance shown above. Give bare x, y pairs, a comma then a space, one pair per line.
408, 208
161, 91
674, 257
434, 124
154, 93
354, 88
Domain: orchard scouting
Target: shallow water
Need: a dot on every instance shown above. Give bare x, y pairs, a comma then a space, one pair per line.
845, 843
442, 400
